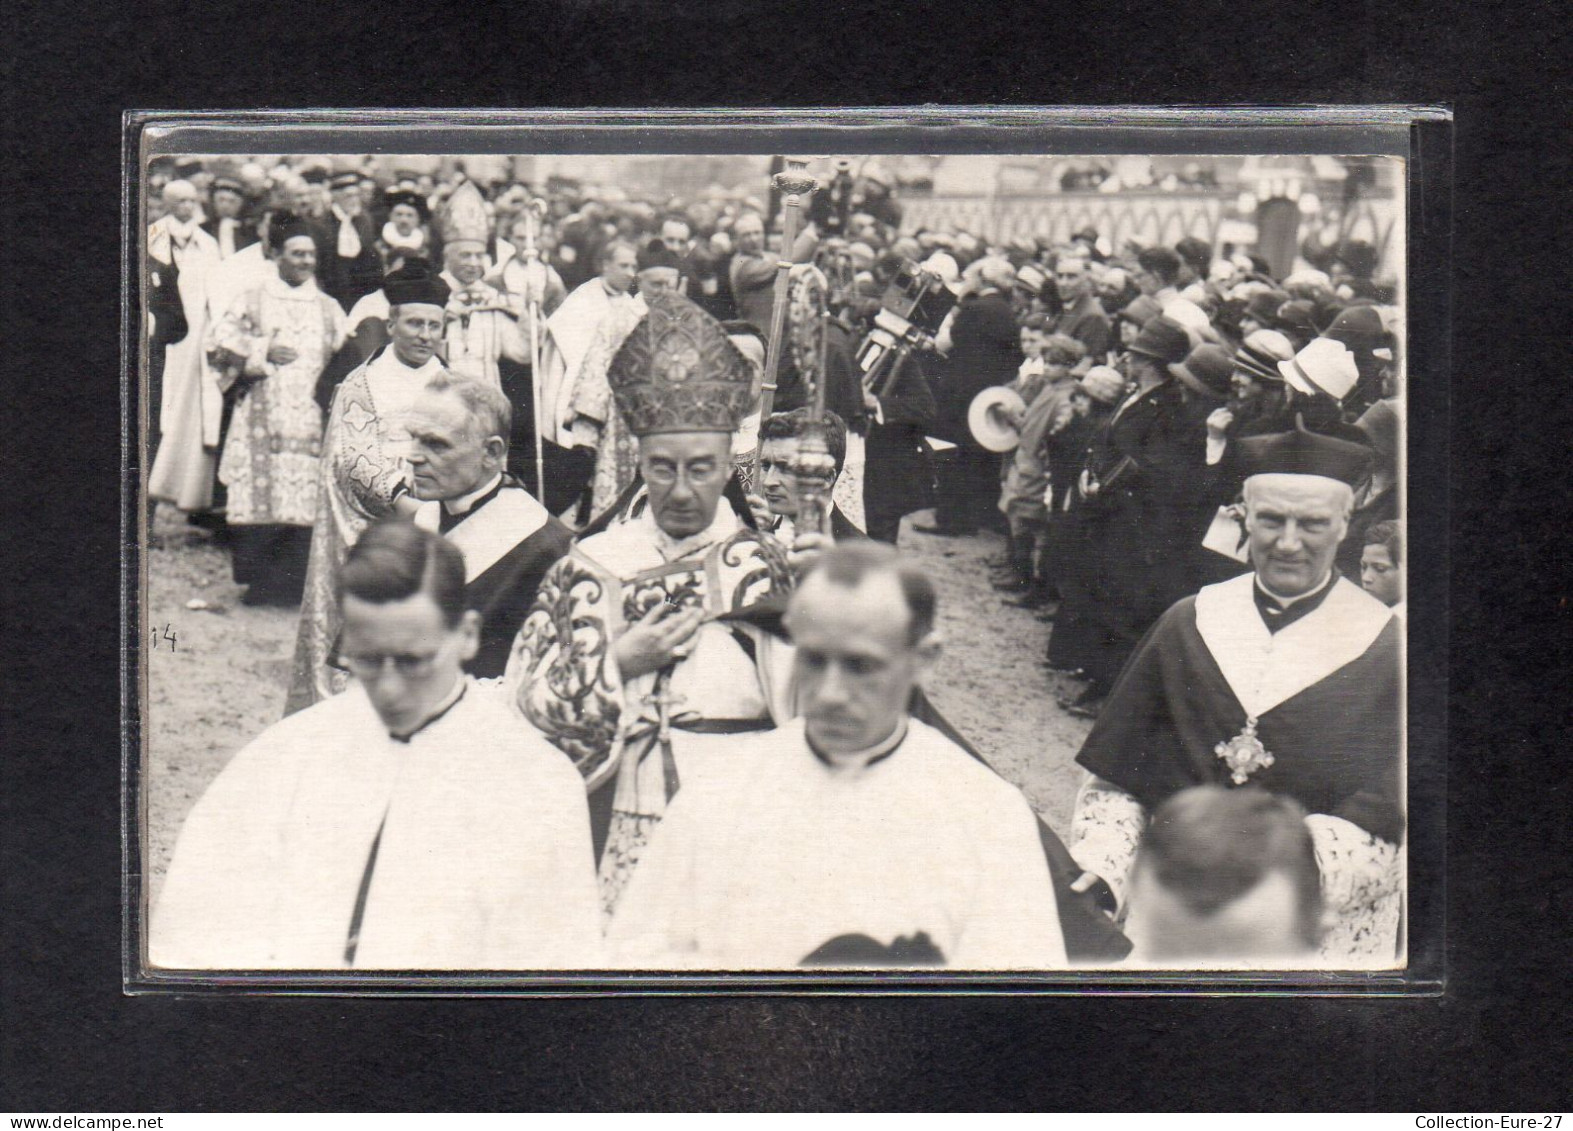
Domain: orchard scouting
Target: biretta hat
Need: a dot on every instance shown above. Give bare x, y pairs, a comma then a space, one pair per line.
1306, 453
1323, 366
677, 371
657, 254
1206, 370
285, 226
1163, 340
415, 283
1261, 353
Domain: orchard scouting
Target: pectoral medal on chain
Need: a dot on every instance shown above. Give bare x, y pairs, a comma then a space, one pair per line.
1244, 754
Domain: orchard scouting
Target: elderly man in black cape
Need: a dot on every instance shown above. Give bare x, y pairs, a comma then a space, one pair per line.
458, 456
1286, 679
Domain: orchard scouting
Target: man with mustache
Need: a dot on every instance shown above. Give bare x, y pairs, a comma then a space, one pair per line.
1286, 678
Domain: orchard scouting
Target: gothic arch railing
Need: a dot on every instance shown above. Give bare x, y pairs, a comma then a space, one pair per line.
1143, 217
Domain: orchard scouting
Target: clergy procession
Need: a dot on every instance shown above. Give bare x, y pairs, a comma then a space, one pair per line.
613, 530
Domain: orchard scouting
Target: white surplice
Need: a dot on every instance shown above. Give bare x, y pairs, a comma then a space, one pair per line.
191, 404
569, 332
759, 865
483, 861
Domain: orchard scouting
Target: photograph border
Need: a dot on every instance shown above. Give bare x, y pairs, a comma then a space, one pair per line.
1420, 135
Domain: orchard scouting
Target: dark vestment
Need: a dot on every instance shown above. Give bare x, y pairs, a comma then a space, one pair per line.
985, 351
504, 590
245, 231
270, 559
897, 475
1137, 532
1336, 743
346, 280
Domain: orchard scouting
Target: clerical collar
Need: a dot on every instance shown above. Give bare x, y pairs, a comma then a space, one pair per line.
448, 704
862, 759
394, 356
1279, 613
277, 286
464, 504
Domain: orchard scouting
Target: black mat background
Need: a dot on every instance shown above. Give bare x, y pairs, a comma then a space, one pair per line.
69, 1040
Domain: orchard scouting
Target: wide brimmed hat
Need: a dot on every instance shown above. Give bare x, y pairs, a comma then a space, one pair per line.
678, 371
1297, 317
1261, 353
1140, 310
1162, 339
1030, 277
1206, 370
991, 416
1361, 329
1192, 317
1323, 366
1263, 306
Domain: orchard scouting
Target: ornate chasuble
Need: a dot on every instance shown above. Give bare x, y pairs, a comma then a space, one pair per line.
270, 455
644, 739
362, 465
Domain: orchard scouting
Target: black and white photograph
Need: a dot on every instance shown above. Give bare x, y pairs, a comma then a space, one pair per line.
594, 564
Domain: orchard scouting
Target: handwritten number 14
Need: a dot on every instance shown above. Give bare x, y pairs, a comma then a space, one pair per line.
168, 635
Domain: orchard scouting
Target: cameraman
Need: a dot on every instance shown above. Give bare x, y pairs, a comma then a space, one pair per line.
985, 350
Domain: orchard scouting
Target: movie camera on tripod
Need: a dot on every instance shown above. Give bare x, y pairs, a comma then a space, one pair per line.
911, 311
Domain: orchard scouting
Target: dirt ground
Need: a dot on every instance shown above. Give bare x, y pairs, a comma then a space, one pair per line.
224, 677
